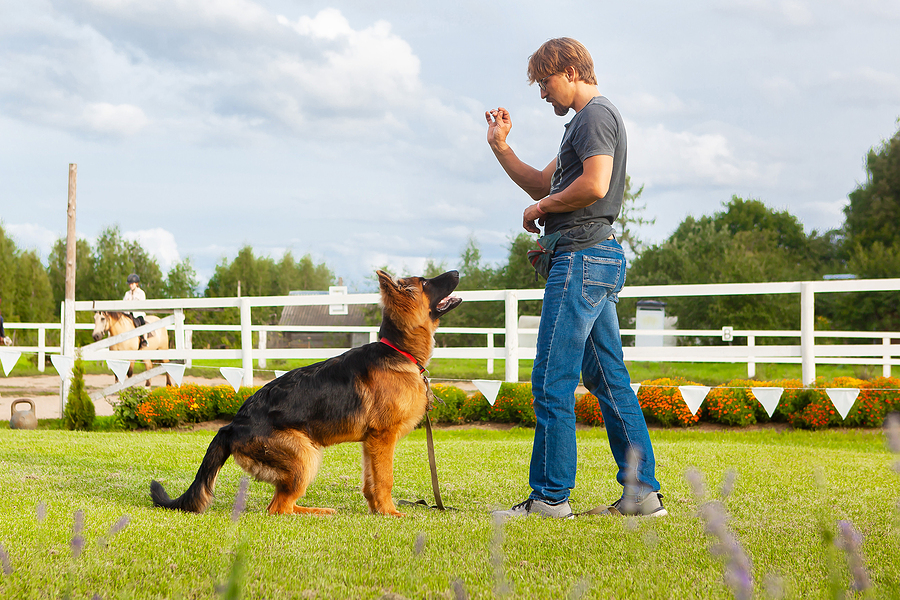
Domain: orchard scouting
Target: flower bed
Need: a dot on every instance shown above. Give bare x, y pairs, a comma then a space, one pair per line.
731, 404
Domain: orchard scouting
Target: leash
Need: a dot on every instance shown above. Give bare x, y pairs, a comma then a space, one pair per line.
432, 462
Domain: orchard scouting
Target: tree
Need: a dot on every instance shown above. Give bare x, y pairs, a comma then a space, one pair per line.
56, 271
24, 288
113, 259
630, 218
872, 243
181, 281
874, 209
746, 242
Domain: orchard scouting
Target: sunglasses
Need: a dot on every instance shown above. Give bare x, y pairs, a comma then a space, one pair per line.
542, 83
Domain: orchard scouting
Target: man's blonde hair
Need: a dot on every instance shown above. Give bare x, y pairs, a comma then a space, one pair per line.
555, 55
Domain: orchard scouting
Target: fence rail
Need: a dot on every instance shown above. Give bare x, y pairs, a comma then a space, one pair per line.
881, 349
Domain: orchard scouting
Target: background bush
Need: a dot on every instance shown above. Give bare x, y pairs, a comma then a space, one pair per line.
662, 403
731, 404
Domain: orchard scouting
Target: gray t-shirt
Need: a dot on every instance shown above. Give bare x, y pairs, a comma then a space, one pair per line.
594, 130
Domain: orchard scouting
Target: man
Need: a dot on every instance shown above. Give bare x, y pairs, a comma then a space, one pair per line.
579, 194
136, 293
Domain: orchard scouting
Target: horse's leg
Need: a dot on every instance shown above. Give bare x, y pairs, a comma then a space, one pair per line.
147, 366
130, 369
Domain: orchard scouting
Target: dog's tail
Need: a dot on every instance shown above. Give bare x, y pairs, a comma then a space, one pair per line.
199, 496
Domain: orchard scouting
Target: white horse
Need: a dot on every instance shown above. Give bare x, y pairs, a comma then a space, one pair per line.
115, 323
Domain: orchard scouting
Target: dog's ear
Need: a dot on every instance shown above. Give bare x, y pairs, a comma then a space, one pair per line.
385, 281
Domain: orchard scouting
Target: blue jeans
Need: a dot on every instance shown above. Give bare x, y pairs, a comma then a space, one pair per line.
579, 332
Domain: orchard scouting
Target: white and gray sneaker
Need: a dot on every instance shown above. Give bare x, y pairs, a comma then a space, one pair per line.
650, 506
537, 507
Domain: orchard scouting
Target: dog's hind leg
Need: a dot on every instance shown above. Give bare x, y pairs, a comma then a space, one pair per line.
378, 472
295, 468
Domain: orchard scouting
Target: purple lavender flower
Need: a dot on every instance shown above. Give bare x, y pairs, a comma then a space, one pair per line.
728, 483
738, 568
4, 560
420, 544
892, 432
850, 541
119, 525
77, 542
240, 501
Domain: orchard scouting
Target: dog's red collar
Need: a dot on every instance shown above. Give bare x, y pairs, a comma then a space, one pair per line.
406, 354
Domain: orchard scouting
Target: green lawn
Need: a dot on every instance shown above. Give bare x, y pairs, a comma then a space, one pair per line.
776, 508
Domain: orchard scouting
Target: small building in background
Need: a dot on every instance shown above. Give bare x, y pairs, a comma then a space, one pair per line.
651, 315
349, 315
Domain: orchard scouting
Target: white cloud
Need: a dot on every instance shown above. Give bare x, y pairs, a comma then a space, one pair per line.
777, 13
118, 119
31, 236
658, 156
159, 243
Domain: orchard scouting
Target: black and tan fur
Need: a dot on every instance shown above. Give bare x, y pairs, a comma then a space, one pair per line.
372, 394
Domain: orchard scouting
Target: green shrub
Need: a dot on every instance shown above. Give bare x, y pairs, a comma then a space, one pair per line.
514, 404
475, 408
125, 409
587, 410
79, 412
734, 404
662, 403
448, 404
876, 399
816, 411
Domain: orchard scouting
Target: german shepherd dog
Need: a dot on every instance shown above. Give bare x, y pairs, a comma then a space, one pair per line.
374, 394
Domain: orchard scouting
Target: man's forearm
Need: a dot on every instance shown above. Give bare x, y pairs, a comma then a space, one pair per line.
523, 175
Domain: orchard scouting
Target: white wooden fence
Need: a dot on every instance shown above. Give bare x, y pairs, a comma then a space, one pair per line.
866, 348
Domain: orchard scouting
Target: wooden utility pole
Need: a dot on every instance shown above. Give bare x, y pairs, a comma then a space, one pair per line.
68, 341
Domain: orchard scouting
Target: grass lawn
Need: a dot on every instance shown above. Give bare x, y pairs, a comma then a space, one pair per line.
777, 508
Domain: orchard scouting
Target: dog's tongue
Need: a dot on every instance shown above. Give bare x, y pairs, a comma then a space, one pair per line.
445, 302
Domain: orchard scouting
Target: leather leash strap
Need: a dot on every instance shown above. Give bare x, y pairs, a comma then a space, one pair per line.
439, 504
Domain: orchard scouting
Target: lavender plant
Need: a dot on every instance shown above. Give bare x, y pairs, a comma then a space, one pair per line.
738, 568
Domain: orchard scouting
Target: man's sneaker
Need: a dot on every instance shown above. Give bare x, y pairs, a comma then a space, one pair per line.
537, 507
650, 506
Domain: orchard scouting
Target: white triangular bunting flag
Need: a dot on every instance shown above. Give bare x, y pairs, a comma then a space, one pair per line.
769, 397
693, 395
119, 367
489, 387
9, 358
635, 387
175, 371
233, 375
63, 365
280, 373
843, 399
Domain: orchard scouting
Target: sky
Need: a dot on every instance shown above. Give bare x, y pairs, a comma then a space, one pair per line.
354, 131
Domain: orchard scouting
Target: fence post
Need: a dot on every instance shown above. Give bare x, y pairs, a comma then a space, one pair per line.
179, 332
188, 346
246, 342
512, 336
261, 362
490, 345
807, 331
886, 365
42, 345
751, 357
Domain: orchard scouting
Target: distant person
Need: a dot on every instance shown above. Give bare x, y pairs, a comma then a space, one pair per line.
578, 196
136, 293
5, 340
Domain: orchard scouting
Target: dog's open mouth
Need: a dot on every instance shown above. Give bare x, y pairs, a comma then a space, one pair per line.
447, 304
